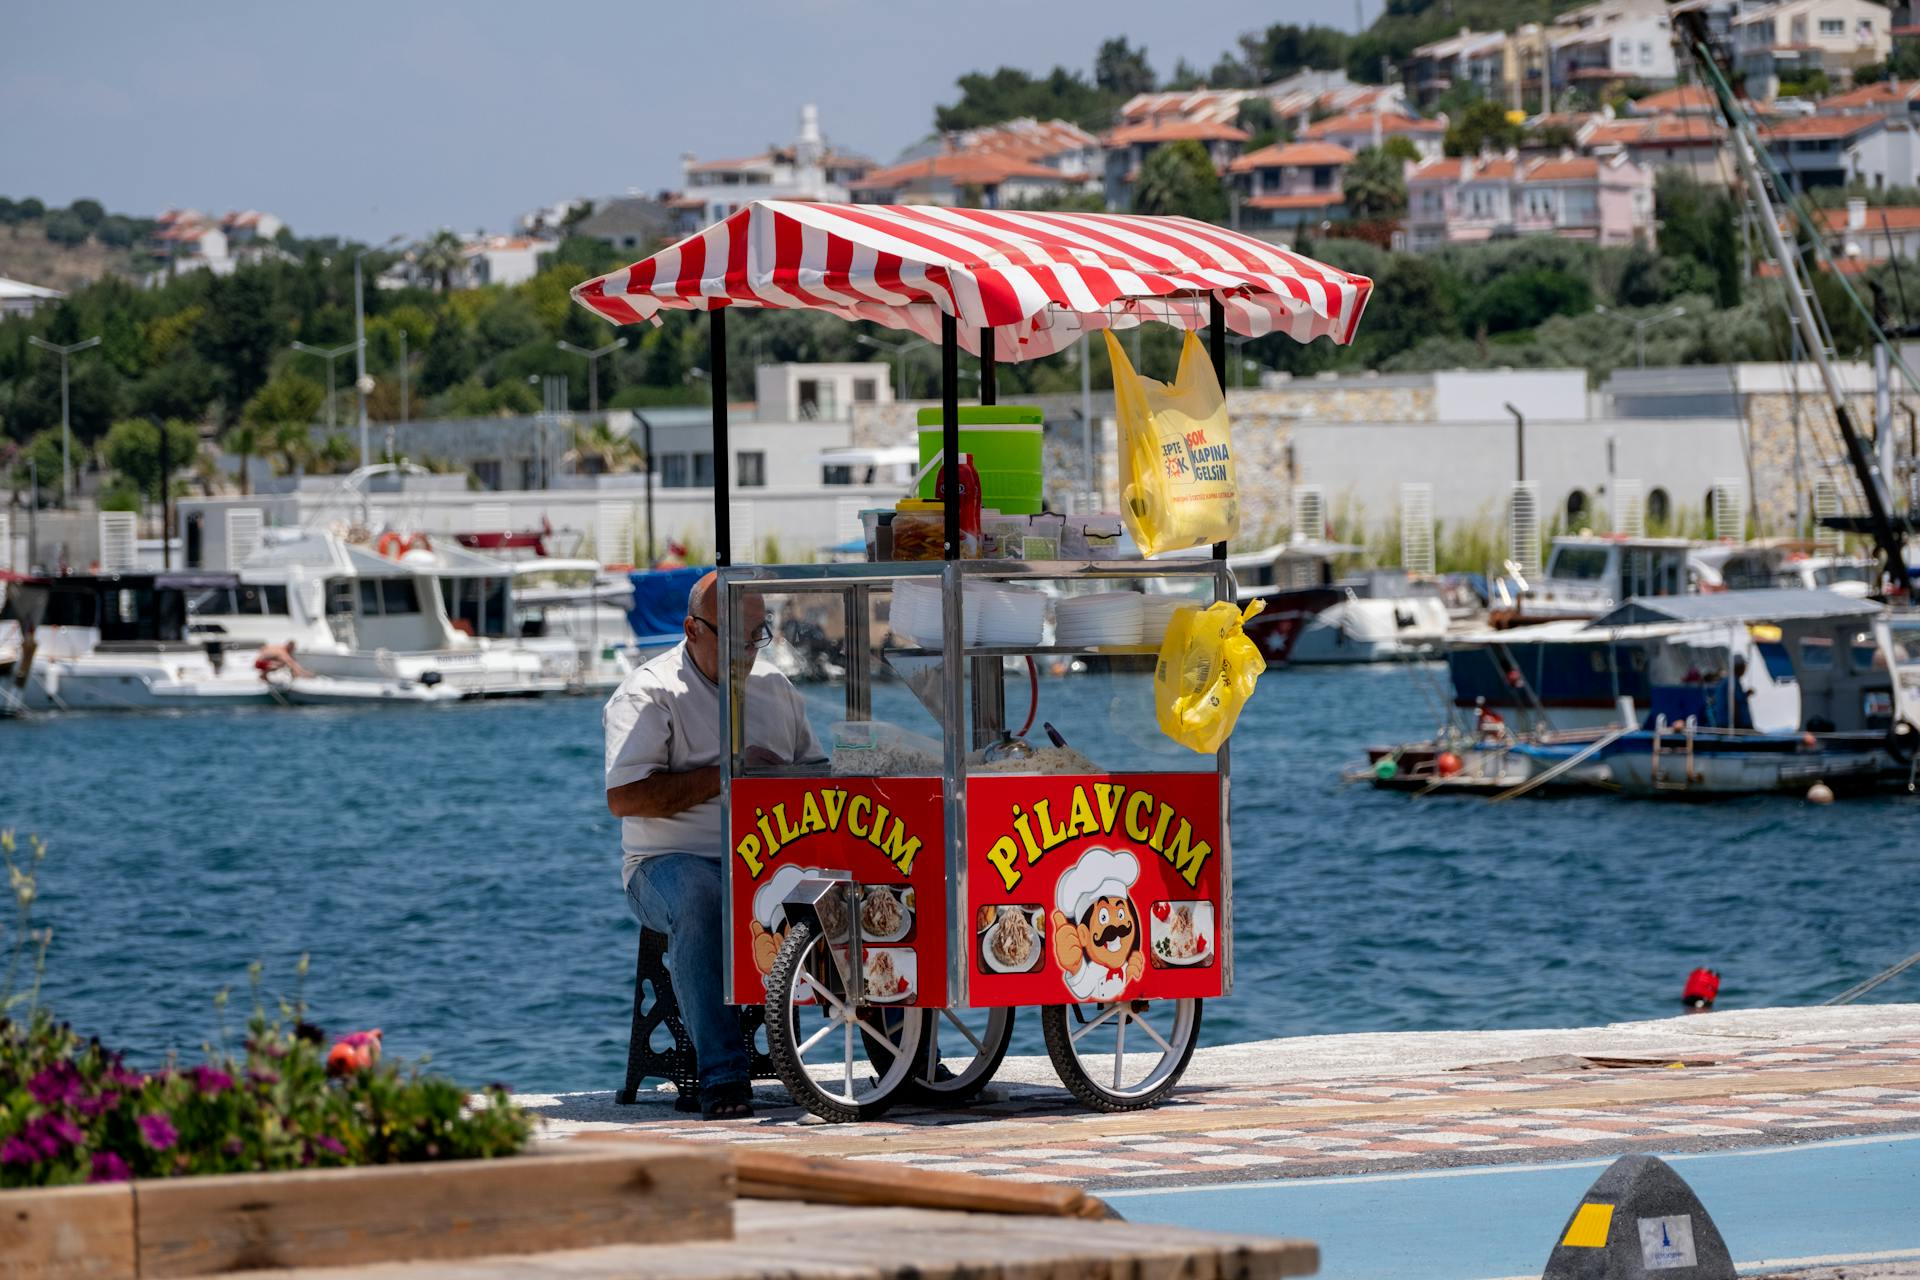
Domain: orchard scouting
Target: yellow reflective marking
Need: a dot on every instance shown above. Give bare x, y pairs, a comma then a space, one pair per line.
1589, 1229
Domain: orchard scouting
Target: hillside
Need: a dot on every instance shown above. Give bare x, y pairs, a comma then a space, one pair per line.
26, 254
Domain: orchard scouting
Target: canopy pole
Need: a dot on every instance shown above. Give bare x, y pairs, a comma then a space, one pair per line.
722, 455
950, 429
1217, 348
989, 369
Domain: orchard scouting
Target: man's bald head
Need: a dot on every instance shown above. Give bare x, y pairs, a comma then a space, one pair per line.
700, 599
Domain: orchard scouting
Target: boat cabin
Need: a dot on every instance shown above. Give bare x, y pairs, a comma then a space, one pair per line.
76, 614
1587, 575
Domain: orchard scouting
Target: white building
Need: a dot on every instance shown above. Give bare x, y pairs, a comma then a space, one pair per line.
1801, 36
820, 392
1358, 130
18, 298
806, 170
1614, 41
504, 260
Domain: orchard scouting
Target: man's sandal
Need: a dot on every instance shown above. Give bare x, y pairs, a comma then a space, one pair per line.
727, 1102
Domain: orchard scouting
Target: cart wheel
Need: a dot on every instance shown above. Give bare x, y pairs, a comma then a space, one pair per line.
839, 1059
975, 1042
1123, 1056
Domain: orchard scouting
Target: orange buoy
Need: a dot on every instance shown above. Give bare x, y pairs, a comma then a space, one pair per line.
1446, 764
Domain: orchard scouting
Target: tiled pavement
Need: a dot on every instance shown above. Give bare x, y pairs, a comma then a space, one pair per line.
1526, 1111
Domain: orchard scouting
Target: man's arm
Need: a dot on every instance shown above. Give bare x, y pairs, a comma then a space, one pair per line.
661, 795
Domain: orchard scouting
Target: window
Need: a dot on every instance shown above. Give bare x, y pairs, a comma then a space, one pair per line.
274, 596
703, 471
370, 597
487, 472
750, 469
1833, 26
529, 473
808, 392
339, 595
1582, 564
1646, 53
864, 391
1816, 653
1576, 507
397, 596
836, 473
673, 470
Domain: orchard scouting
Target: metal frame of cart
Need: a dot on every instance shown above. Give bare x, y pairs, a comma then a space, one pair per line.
1025, 284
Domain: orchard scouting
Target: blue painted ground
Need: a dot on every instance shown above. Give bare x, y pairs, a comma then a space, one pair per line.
1833, 1201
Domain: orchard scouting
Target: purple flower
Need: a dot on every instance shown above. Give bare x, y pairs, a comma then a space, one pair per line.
158, 1131
97, 1104
263, 1076
18, 1151
233, 1146
108, 1167
210, 1081
62, 1129
332, 1146
121, 1078
56, 1085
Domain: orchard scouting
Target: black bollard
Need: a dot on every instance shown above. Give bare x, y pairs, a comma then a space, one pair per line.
1639, 1221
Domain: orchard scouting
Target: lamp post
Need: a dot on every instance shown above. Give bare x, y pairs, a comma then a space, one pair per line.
593, 371
361, 383
899, 350
66, 430
646, 443
403, 373
1640, 327
330, 356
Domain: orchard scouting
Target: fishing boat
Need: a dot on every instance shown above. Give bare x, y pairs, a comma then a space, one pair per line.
1310, 617
1779, 563
1586, 575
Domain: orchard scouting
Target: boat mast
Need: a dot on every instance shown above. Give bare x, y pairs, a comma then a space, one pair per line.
1800, 298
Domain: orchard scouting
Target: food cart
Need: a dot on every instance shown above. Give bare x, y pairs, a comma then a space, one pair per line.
892, 904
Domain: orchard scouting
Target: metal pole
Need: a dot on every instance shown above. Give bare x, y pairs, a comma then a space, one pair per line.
717, 372
646, 442
1519, 443
330, 422
1883, 419
360, 354
593, 384
950, 429
1639, 344
66, 438
33, 512
403, 374
1086, 421
166, 499
989, 371
1217, 349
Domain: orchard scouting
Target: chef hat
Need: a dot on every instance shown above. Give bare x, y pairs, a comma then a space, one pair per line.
770, 898
1100, 873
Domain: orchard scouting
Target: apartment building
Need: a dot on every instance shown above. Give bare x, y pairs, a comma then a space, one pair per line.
1785, 41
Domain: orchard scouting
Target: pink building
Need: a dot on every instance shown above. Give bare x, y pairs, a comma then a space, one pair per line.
1458, 201
1290, 184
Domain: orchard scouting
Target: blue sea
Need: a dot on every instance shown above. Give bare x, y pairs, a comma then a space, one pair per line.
454, 875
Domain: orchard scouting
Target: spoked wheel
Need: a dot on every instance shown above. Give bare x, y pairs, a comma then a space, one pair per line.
964, 1048
1122, 1056
840, 1059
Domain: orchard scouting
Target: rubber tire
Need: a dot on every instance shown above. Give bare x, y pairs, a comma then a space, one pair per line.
780, 1039
1903, 737
920, 1093
1056, 1029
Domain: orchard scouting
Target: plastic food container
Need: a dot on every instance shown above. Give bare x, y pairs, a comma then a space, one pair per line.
919, 532
1093, 538
1005, 441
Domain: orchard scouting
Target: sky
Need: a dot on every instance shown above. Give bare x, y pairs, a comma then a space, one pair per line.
371, 120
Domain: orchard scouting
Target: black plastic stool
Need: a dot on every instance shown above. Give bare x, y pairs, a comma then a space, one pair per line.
676, 1063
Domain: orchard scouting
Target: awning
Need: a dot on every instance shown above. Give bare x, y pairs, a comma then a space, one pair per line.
1039, 280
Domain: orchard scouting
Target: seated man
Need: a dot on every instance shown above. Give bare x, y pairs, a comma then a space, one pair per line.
663, 781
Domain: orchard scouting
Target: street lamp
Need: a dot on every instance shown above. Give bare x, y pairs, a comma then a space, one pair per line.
593, 362
330, 356
361, 382
66, 430
899, 350
1640, 327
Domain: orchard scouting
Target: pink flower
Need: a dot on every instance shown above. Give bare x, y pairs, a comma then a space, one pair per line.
210, 1081
58, 1084
97, 1104
263, 1076
18, 1151
158, 1132
332, 1146
108, 1167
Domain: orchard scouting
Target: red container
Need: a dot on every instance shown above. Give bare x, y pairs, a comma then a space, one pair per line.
969, 495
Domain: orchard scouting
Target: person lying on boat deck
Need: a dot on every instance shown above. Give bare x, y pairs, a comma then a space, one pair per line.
278, 657
663, 783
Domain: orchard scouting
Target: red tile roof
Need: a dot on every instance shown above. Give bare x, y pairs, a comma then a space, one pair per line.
1823, 126
1871, 96
1172, 131
960, 168
1688, 99
1283, 154
1576, 169
1447, 170
1363, 122
1898, 218
1304, 200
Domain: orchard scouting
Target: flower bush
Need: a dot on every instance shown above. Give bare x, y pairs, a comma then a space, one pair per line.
72, 1110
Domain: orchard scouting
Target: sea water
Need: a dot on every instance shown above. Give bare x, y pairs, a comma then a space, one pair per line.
454, 875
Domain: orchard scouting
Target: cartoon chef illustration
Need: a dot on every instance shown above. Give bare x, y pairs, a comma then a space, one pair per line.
768, 928
1096, 931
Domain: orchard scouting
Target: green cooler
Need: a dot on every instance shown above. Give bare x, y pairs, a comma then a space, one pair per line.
1004, 440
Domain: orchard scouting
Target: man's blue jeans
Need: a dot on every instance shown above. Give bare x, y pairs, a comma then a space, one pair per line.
679, 894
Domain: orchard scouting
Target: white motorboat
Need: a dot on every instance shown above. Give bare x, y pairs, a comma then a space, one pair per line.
354, 613
334, 691
570, 612
1309, 616
1587, 575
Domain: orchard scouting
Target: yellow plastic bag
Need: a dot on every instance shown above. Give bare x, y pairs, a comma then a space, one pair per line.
1176, 454
1206, 673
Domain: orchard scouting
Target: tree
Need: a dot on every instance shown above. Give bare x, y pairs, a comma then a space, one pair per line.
1282, 49
64, 229
240, 332
598, 451
440, 257
132, 448
32, 208
1376, 185
1179, 178
1522, 299
1701, 224
1009, 93
279, 416
1413, 300
43, 448
90, 212
1484, 126
1122, 70
183, 387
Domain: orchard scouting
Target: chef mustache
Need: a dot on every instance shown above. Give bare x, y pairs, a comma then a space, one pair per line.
1113, 933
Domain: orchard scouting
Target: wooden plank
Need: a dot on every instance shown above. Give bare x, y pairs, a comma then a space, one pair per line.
1663, 1086
776, 1175
576, 1196
67, 1233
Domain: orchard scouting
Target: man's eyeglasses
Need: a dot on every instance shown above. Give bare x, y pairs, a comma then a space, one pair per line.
759, 638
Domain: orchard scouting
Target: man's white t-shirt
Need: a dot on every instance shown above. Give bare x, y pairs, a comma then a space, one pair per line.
666, 717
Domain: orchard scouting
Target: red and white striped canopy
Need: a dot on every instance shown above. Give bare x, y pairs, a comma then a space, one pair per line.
1039, 280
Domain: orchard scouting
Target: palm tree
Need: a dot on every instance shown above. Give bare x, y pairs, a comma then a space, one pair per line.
597, 450
1375, 186
441, 256
249, 441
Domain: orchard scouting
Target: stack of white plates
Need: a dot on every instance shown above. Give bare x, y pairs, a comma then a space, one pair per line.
1156, 613
917, 608
1010, 616
1107, 618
